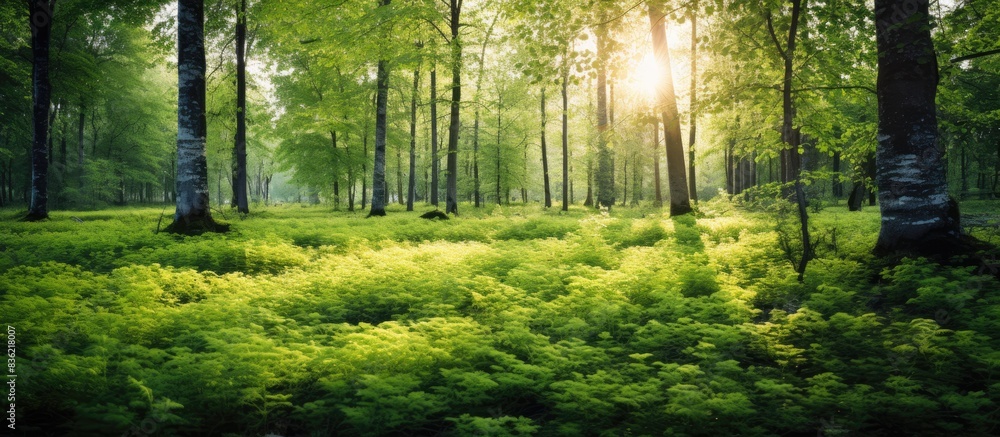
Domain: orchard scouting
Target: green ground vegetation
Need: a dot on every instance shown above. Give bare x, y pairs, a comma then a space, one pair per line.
505, 321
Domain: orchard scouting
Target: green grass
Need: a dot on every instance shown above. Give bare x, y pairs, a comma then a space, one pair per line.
504, 321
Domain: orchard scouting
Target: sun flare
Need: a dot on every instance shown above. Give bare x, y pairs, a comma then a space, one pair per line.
645, 75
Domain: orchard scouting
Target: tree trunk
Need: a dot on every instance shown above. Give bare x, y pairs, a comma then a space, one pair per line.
378, 172
40, 17
435, 160
545, 157
451, 206
838, 186
692, 179
676, 177
399, 176
411, 192
605, 163
656, 165
918, 216
565, 140
193, 213
79, 144
240, 175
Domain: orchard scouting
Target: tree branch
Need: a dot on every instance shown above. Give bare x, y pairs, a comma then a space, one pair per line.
774, 37
975, 55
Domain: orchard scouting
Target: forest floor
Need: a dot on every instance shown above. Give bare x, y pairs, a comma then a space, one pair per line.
504, 321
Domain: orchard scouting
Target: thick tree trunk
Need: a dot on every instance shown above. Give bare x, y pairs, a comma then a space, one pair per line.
451, 206
378, 172
411, 192
692, 135
240, 175
40, 17
676, 178
193, 214
545, 157
918, 216
435, 160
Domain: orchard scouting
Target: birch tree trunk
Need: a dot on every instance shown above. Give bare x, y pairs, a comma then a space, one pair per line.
378, 171
918, 216
193, 214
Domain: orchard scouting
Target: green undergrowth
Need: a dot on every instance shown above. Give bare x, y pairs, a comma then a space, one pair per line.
502, 322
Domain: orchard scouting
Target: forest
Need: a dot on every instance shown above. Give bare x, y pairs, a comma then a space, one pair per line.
286, 218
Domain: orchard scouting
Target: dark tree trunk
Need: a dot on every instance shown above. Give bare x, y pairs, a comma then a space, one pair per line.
435, 160
451, 205
918, 216
40, 14
79, 145
545, 157
676, 178
378, 172
692, 135
240, 175
411, 192
838, 185
193, 213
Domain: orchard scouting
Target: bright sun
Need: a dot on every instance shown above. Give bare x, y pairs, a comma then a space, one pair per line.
645, 76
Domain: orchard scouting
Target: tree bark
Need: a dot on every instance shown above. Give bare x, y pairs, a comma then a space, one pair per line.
193, 214
656, 164
240, 175
545, 157
676, 177
411, 192
565, 140
692, 135
378, 171
40, 14
435, 161
451, 205
605, 162
918, 216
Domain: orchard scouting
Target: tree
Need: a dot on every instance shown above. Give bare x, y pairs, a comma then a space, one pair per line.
676, 178
379, 198
693, 126
40, 15
918, 216
240, 176
192, 214
454, 24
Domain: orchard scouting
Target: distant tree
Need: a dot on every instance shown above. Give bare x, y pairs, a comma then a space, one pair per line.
918, 216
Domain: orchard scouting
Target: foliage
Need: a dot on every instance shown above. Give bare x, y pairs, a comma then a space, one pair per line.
503, 322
